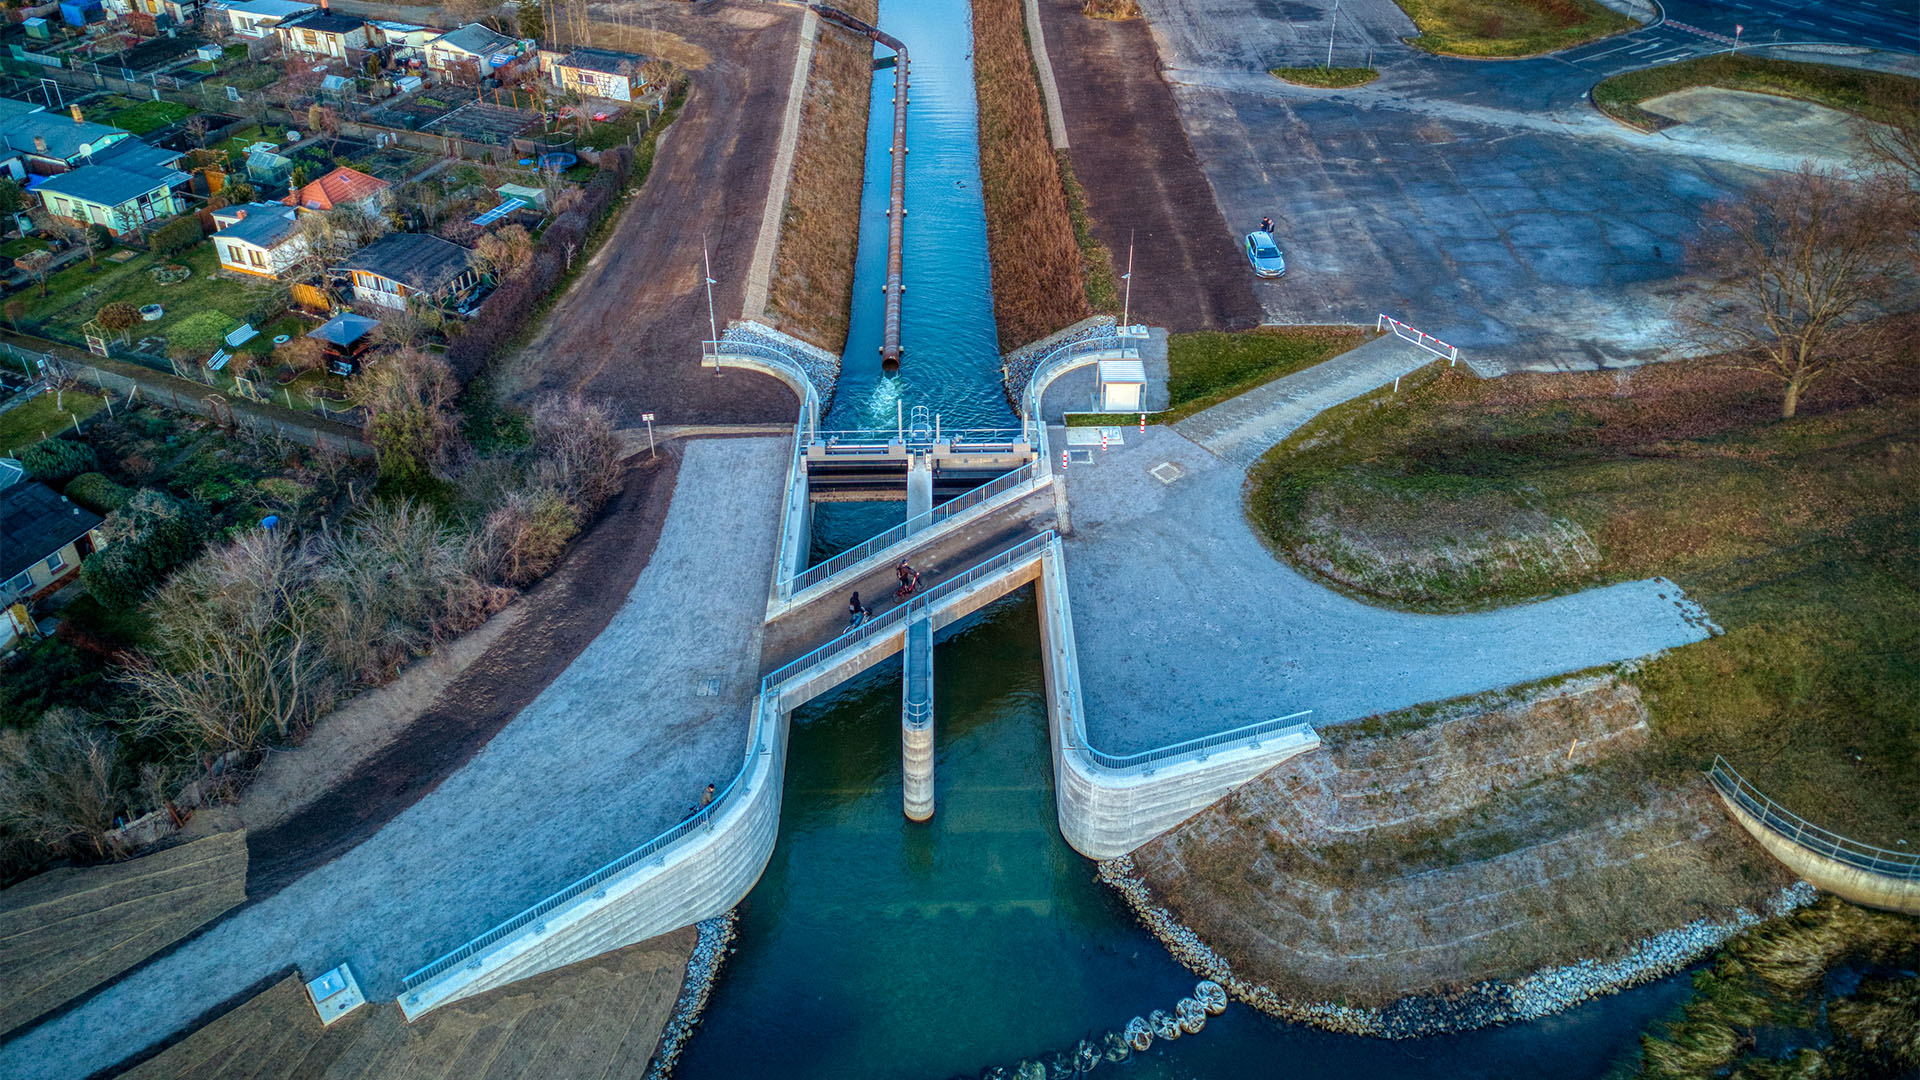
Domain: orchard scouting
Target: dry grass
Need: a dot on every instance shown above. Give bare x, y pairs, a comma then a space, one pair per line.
1489, 841
1509, 27
1801, 537
1111, 9
649, 42
812, 291
600, 1018
1038, 283
1326, 78
1863, 93
67, 931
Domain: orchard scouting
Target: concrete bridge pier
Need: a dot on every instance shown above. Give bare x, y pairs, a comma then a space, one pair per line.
916, 719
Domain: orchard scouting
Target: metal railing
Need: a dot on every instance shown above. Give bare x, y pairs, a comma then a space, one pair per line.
1030, 548
1073, 351
1899, 865
577, 889
854, 556
1250, 736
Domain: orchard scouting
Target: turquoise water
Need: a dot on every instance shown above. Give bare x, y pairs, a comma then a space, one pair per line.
951, 361
874, 947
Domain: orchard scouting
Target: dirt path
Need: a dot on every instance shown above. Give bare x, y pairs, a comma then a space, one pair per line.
628, 334
1141, 174
565, 612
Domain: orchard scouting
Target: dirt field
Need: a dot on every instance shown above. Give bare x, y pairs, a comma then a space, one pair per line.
1415, 856
1141, 175
596, 1020
561, 615
628, 333
66, 932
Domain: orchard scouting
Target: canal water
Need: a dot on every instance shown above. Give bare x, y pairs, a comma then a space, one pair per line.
874, 947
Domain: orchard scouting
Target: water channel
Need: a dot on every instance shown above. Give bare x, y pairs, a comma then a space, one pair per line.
874, 947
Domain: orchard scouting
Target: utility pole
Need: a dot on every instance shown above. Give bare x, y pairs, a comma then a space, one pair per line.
1126, 306
713, 324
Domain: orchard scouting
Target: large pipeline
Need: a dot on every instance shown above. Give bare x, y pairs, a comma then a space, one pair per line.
897, 206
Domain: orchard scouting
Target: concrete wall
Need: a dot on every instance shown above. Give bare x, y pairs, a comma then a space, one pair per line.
1847, 882
1105, 813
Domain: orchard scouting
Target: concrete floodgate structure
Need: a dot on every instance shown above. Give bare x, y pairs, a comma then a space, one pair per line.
427, 876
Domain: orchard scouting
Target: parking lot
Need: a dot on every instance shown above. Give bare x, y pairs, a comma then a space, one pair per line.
1486, 203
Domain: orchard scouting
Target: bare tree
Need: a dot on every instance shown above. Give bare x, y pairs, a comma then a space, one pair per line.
579, 454
504, 252
239, 653
61, 783
1796, 270
1893, 147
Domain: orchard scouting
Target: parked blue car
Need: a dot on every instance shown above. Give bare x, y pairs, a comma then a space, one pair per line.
1265, 256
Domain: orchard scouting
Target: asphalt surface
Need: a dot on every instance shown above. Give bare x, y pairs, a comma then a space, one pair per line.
1487, 203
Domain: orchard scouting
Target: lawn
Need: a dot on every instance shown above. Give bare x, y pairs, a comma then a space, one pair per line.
1850, 90
1509, 27
24, 425
141, 117
13, 249
1800, 537
238, 142
1207, 367
199, 310
1326, 77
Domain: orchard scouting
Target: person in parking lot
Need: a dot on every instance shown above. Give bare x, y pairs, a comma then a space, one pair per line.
1266, 225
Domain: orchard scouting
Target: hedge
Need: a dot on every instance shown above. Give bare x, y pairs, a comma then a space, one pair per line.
176, 236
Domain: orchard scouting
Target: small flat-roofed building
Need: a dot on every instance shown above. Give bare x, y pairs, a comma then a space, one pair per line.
398, 266
258, 239
257, 18
472, 44
323, 33
601, 73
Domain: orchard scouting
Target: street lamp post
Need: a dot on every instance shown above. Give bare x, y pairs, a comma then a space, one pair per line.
1126, 307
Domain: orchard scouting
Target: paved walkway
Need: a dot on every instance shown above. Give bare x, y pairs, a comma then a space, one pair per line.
1187, 624
1239, 430
612, 752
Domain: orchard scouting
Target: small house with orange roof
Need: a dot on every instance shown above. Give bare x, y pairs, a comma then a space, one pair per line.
342, 187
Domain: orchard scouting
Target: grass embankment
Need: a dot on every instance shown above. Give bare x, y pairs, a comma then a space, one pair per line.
812, 290
1828, 993
1509, 27
1207, 367
1328, 78
1801, 537
1847, 89
1037, 275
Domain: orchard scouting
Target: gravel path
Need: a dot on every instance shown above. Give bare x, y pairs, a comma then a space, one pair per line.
613, 751
1187, 624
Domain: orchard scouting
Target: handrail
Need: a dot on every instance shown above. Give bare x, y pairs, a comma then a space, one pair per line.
1250, 734
920, 522
1899, 865
897, 614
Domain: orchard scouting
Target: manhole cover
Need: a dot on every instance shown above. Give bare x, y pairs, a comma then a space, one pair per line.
1166, 472
1080, 457
707, 686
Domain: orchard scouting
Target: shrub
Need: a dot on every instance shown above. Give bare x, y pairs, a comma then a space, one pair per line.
56, 461
270, 305
176, 236
528, 531
579, 455
97, 493
118, 315
145, 540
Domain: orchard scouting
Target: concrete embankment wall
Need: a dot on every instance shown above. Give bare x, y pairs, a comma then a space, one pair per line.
1102, 812
1105, 813
1850, 883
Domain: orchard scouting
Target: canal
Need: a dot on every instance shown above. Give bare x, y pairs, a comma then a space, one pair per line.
874, 947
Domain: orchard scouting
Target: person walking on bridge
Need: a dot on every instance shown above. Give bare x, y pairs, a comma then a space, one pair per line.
857, 612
